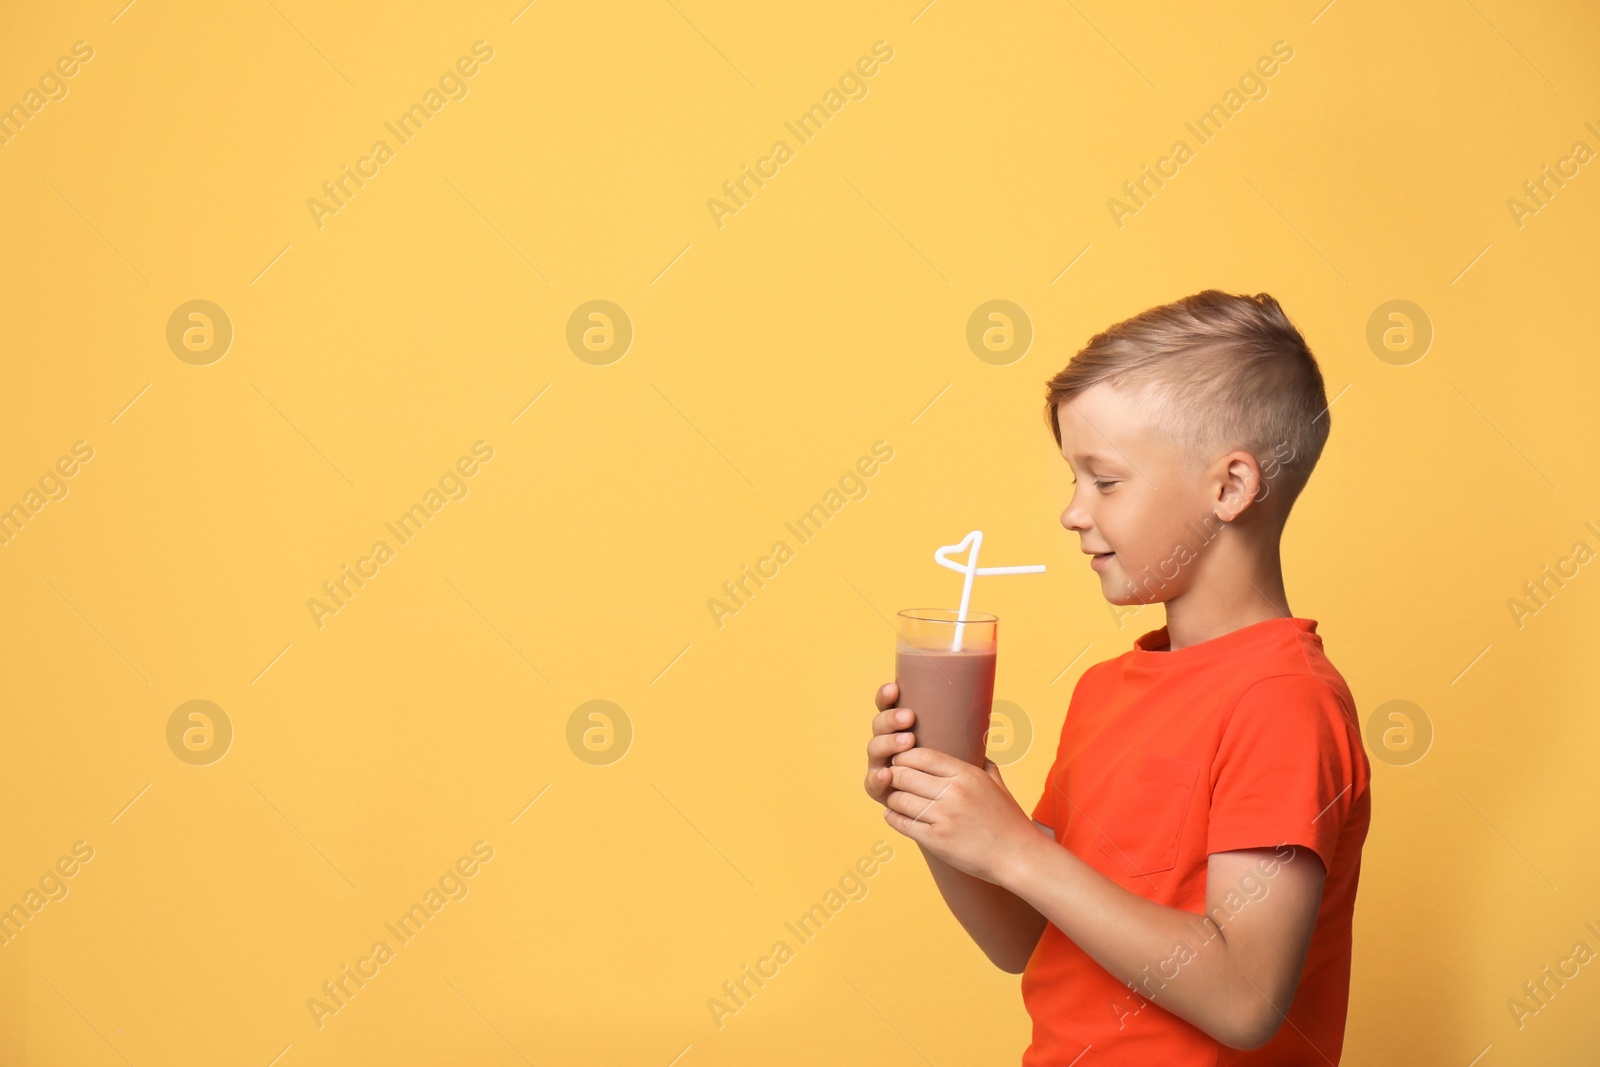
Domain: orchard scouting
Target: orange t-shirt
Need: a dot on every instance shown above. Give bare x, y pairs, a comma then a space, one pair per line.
1248, 740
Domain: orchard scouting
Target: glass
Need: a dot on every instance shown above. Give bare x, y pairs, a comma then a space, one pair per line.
951, 692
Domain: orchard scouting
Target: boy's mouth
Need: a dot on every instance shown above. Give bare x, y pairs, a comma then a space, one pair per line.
1100, 560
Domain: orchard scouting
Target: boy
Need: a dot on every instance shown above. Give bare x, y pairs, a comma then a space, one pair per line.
1183, 891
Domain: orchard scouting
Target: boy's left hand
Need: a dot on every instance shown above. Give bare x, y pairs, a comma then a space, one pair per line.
963, 814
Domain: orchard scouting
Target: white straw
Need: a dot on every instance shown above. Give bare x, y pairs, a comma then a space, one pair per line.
970, 569
976, 537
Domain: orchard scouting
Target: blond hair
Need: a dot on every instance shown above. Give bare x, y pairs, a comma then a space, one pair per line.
1219, 371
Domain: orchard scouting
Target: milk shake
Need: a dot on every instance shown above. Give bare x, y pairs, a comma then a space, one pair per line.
950, 691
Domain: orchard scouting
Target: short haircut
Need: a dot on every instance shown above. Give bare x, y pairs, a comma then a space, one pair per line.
1219, 371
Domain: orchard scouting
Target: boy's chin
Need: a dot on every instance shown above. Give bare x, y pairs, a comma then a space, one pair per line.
1128, 600
1120, 592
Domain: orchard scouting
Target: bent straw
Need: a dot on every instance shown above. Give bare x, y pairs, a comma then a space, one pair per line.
971, 569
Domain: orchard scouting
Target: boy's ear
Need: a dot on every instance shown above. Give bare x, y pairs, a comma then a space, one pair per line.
1238, 483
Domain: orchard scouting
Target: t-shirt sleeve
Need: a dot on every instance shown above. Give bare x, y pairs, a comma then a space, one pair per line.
1286, 769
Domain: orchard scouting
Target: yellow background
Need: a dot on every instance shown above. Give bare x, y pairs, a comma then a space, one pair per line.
769, 354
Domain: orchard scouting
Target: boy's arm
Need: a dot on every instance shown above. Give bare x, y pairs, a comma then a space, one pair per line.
1236, 981
1005, 927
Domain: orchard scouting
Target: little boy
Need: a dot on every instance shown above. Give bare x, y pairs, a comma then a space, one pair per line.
1182, 893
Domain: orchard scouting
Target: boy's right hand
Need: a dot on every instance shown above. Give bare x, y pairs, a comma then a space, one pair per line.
891, 733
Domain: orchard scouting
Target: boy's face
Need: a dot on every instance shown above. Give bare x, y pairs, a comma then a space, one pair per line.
1139, 502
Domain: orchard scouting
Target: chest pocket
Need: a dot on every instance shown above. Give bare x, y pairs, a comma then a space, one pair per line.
1138, 834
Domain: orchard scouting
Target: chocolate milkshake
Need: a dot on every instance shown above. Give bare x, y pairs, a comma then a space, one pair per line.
951, 693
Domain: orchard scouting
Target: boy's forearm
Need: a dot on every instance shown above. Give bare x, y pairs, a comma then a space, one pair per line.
1138, 942
1005, 927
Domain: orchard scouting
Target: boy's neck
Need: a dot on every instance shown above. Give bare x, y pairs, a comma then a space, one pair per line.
1235, 586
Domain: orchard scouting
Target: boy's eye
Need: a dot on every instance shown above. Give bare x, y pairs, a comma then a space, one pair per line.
1102, 485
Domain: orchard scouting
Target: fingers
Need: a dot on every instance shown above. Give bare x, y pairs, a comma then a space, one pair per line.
917, 783
883, 746
918, 809
891, 734
934, 762
903, 823
880, 750
893, 719
876, 785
